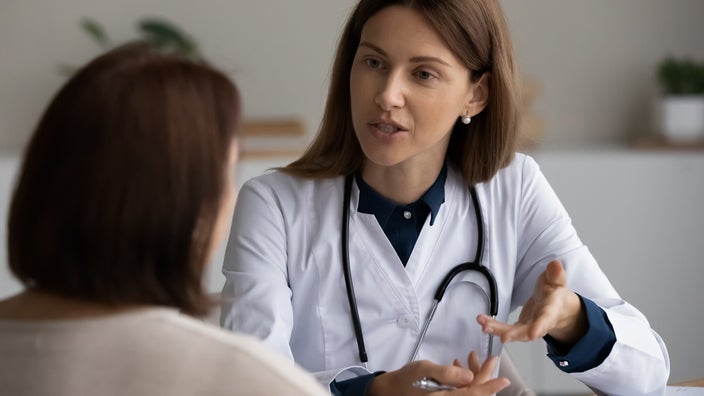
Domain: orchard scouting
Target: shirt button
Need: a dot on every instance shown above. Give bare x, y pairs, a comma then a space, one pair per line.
404, 321
407, 214
564, 363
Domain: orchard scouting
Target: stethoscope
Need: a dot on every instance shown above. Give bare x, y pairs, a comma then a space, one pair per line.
469, 266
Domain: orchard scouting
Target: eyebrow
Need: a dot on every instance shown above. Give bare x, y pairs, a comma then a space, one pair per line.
415, 59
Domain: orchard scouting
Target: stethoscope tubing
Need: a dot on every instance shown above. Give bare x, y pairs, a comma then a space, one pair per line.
439, 294
346, 269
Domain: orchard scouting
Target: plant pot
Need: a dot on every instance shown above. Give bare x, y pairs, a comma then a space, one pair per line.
682, 117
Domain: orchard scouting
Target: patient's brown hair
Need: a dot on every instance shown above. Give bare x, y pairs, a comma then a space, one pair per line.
123, 179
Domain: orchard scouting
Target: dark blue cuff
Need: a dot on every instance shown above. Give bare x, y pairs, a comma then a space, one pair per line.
591, 349
354, 386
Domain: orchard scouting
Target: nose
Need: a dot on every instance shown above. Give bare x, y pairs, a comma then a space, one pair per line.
391, 93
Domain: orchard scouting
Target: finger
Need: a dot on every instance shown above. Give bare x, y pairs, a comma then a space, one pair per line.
449, 375
516, 333
456, 363
483, 383
473, 362
555, 274
507, 332
529, 331
493, 386
490, 324
486, 372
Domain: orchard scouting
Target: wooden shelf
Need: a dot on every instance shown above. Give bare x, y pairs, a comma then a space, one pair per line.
246, 153
267, 138
662, 143
272, 128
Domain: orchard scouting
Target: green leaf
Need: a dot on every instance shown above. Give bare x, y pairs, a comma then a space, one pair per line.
166, 36
96, 31
682, 76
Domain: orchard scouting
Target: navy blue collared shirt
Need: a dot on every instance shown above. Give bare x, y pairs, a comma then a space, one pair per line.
402, 224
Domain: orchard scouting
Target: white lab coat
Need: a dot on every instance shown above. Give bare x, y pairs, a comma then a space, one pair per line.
285, 285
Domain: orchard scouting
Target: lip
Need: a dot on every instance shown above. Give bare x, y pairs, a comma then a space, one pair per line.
387, 126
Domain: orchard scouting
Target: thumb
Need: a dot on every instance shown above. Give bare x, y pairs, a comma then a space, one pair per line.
555, 274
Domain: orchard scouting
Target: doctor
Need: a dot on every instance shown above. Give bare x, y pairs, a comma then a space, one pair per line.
422, 107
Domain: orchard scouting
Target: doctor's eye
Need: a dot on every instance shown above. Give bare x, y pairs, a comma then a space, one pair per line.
373, 63
425, 75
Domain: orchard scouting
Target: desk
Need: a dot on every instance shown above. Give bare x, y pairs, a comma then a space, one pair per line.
699, 383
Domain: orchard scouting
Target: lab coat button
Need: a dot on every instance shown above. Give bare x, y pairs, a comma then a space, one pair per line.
404, 321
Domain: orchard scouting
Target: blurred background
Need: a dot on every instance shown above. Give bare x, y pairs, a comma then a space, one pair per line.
590, 97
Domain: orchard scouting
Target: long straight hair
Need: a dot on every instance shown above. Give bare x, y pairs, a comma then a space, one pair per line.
477, 33
123, 180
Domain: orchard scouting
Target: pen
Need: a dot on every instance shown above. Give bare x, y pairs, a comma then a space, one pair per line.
430, 385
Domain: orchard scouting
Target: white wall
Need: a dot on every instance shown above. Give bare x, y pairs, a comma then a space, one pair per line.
8, 169
594, 58
278, 51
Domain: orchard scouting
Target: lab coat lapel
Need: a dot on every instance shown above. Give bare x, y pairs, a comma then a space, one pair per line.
425, 248
369, 245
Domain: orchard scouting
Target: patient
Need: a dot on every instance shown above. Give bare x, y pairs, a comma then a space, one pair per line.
125, 191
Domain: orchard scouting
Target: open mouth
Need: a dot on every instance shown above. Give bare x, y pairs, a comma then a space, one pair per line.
387, 127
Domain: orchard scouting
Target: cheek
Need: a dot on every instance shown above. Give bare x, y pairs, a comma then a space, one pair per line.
357, 91
360, 99
440, 108
434, 119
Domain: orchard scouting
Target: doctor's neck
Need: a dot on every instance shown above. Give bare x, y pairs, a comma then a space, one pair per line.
399, 183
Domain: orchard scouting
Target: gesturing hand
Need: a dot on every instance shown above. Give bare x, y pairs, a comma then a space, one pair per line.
553, 309
483, 383
475, 381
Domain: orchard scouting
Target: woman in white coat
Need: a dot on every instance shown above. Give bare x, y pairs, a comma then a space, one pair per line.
423, 105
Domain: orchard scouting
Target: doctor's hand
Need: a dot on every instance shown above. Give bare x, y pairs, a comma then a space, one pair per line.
553, 309
483, 383
472, 381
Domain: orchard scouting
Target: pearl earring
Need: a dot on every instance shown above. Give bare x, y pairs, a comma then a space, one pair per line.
466, 119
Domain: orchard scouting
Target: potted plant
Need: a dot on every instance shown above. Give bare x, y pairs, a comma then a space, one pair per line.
682, 102
164, 35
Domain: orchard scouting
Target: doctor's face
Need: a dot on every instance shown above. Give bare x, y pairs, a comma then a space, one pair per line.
407, 90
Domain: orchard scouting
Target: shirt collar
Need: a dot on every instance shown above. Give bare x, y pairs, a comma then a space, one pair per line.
371, 202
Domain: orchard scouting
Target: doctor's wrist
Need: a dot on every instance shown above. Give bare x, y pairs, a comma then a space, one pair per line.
574, 325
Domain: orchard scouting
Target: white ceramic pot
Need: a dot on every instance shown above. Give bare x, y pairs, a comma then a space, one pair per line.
682, 117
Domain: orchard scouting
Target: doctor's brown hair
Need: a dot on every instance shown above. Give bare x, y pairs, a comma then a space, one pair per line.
477, 33
123, 180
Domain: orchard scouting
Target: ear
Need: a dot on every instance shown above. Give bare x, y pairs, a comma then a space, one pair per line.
479, 95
